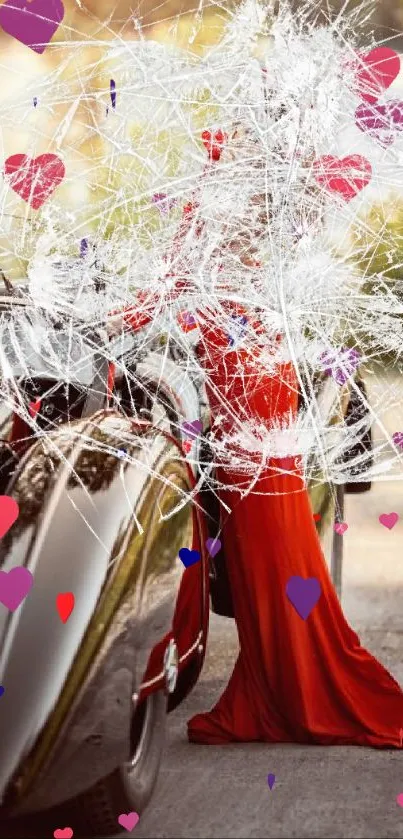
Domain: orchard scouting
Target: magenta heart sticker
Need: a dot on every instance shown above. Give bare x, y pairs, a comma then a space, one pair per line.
192, 429
381, 122
128, 820
398, 439
340, 527
33, 22
213, 546
389, 520
9, 512
14, 586
303, 594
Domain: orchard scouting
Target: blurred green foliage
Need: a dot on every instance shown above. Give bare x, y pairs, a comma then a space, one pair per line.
378, 244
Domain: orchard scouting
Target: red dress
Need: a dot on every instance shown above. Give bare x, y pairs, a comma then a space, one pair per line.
295, 680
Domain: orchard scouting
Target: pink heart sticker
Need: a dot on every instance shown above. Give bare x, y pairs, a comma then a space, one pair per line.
63, 833
376, 72
33, 22
346, 176
389, 520
128, 820
340, 527
34, 180
9, 512
399, 799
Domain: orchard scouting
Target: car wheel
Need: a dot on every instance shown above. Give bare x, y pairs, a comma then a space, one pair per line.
129, 788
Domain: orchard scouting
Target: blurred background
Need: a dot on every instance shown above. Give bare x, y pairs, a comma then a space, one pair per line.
63, 83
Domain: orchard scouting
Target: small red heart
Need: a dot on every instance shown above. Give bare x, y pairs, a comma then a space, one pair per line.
9, 512
346, 176
33, 408
65, 605
214, 143
34, 180
317, 517
382, 66
187, 446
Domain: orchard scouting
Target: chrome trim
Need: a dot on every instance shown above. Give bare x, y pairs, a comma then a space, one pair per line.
171, 666
159, 678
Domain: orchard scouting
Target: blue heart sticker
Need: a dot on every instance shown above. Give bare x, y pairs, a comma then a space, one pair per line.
1, 690
189, 557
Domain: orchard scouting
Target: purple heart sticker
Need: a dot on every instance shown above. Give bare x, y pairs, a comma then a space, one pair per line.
33, 22
381, 122
163, 202
188, 319
192, 429
271, 780
398, 439
14, 586
303, 594
340, 364
213, 546
189, 557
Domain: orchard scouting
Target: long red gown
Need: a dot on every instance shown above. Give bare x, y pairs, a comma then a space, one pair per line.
295, 680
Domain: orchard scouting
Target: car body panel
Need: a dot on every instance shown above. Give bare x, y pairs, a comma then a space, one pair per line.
83, 674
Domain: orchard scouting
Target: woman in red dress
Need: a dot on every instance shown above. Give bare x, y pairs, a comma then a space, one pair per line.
295, 680
301, 680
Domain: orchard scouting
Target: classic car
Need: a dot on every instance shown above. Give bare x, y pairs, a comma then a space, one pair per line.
108, 494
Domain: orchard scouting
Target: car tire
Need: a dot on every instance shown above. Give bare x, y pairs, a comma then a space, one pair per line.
95, 812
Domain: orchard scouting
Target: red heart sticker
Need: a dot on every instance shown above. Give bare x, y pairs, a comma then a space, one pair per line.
346, 176
34, 180
65, 605
214, 143
9, 512
381, 68
33, 408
